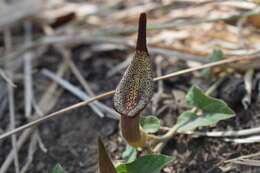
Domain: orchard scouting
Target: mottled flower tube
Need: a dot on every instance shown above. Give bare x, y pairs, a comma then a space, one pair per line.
135, 89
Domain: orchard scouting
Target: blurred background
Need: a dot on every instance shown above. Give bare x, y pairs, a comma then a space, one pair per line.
54, 53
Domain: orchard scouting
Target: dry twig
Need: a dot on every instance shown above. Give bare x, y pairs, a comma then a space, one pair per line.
47, 101
79, 93
233, 133
8, 44
245, 160
84, 103
67, 57
248, 140
28, 91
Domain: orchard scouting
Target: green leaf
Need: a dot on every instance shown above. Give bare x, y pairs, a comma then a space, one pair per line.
146, 164
189, 121
216, 55
213, 111
184, 119
150, 124
129, 155
105, 163
207, 104
58, 169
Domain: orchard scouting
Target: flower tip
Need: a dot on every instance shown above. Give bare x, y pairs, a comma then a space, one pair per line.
135, 89
141, 38
142, 16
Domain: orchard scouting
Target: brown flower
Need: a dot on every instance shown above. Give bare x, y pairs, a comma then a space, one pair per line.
135, 90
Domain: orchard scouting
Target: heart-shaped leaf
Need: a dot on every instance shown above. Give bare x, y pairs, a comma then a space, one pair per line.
207, 104
150, 124
146, 164
213, 111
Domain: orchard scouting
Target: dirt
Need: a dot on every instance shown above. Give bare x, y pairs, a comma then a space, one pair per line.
71, 139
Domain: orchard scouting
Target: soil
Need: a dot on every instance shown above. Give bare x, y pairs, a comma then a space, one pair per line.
71, 139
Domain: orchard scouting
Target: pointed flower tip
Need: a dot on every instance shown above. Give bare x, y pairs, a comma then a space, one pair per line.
142, 16
141, 38
135, 89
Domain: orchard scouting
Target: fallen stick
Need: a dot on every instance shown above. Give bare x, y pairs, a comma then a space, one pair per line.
110, 93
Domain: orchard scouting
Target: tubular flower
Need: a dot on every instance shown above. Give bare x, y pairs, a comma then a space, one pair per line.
135, 89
